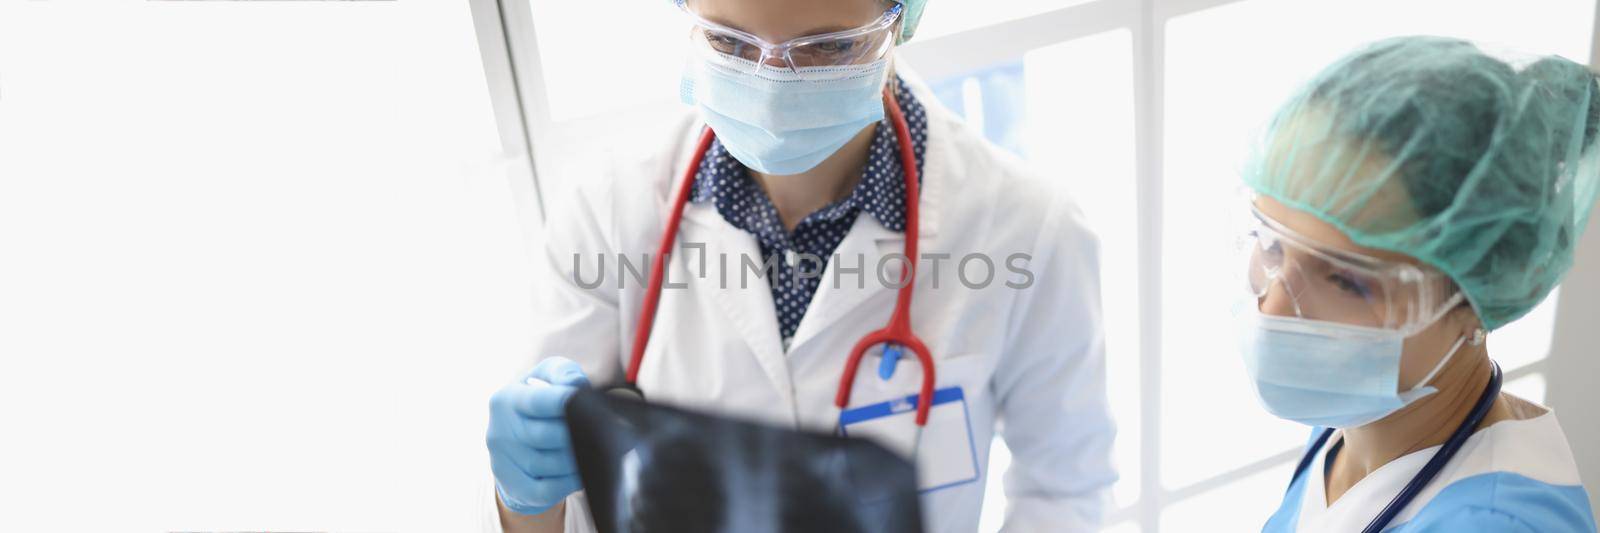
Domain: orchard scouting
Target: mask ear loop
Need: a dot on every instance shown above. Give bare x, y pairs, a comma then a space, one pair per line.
1476, 339
1444, 309
1436, 368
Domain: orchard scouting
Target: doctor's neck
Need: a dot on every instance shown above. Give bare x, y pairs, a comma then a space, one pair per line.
1427, 422
801, 194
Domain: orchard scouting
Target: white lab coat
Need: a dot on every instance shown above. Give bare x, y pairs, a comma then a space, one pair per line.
1030, 361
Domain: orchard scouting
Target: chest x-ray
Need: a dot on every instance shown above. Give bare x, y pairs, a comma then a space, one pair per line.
649, 468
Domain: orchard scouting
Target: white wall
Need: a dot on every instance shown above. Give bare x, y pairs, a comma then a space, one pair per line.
260, 268
1574, 364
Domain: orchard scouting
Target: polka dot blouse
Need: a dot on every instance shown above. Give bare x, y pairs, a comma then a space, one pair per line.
744, 204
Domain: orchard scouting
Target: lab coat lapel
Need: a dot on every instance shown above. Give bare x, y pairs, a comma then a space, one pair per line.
867, 245
744, 299
863, 248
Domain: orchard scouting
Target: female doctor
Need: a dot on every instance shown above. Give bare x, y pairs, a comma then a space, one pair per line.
813, 161
1416, 196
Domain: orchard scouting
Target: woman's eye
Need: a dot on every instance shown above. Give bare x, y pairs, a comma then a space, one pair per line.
722, 42
1349, 285
835, 47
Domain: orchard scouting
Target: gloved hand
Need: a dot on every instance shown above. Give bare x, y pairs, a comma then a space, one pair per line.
530, 450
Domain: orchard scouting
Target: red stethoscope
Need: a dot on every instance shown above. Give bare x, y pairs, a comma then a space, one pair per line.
897, 332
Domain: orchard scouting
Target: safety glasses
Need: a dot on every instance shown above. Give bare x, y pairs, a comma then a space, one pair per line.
808, 57
1332, 285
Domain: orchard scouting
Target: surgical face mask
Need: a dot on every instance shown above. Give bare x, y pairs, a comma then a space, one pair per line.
1327, 374
780, 121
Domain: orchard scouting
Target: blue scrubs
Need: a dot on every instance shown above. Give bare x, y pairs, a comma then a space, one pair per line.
1513, 476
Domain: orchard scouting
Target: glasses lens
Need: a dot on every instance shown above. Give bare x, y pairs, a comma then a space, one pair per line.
727, 44
1327, 290
1264, 259
1317, 286
856, 50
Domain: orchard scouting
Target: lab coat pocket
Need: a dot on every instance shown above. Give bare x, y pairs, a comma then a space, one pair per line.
884, 376
944, 449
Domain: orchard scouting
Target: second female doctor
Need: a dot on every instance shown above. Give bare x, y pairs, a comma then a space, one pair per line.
805, 168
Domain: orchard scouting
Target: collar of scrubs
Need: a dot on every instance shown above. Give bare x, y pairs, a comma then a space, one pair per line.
1534, 447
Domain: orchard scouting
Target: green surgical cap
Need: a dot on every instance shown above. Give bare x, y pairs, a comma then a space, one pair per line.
1480, 166
909, 19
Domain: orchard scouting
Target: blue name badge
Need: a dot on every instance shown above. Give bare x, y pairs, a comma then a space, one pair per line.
946, 455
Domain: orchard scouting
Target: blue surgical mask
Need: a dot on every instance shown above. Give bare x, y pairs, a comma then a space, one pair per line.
777, 122
1326, 374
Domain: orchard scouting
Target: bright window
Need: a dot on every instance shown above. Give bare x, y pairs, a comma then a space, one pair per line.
950, 17
1080, 136
261, 267
601, 57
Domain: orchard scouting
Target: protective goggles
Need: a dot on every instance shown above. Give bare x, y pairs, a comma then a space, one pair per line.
804, 56
1332, 285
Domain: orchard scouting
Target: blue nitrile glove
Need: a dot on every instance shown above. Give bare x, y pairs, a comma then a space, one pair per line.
530, 451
